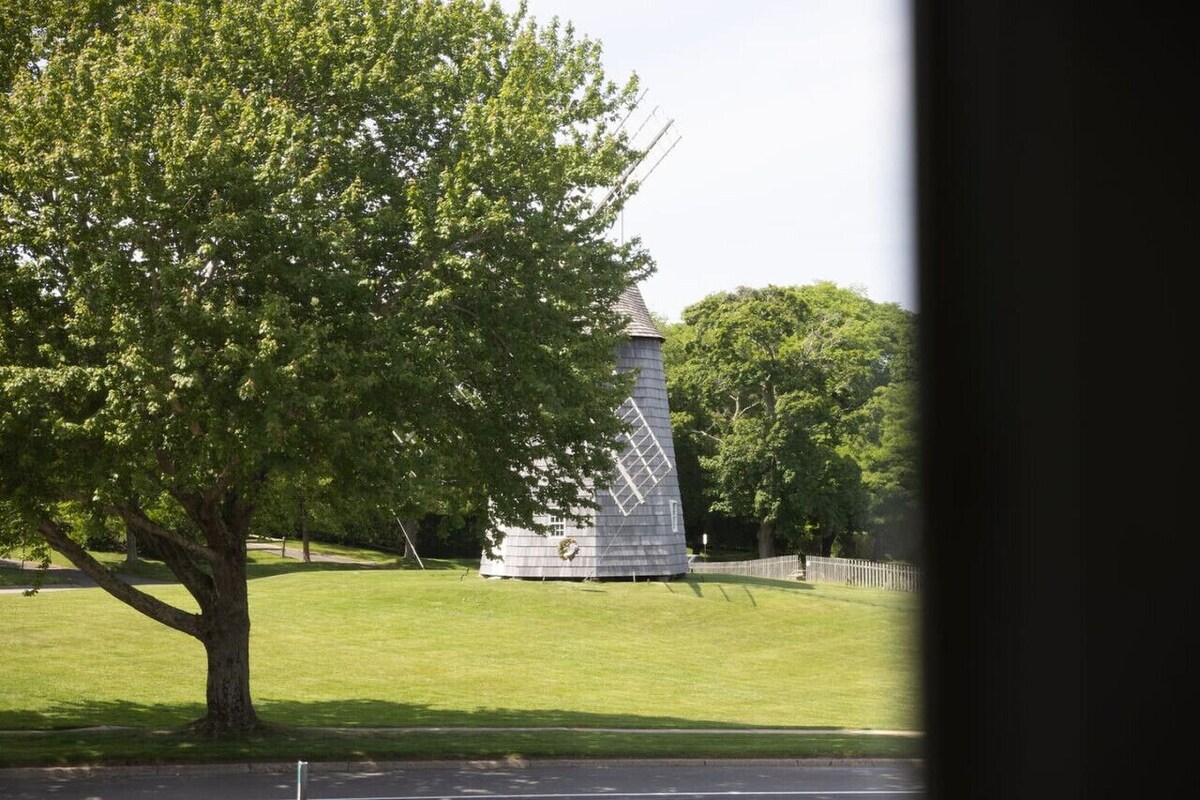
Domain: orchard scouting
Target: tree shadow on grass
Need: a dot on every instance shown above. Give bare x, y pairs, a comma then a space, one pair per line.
697, 582
269, 569
697, 578
350, 714
16, 577
439, 564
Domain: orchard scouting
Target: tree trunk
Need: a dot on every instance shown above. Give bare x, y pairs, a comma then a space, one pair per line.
131, 553
766, 539
408, 532
226, 639
227, 691
302, 527
225, 621
223, 624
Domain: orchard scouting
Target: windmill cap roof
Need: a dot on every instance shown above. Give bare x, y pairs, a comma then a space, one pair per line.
640, 324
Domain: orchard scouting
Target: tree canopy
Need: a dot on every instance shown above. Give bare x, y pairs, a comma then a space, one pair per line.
248, 237
796, 403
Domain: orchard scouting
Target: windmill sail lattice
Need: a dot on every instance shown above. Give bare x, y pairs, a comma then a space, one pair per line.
642, 464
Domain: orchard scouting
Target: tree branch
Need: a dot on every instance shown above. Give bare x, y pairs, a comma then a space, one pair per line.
220, 483
177, 553
140, 523
714, 437
151, 606
190, 502
199, 584
738, 409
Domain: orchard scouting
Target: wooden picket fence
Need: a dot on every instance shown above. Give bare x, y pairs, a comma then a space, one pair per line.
815, 569
856, 572
780, 567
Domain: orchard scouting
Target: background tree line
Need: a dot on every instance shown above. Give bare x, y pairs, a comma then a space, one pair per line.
794, 417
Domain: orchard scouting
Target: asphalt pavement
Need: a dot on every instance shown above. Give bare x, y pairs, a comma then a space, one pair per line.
543, 779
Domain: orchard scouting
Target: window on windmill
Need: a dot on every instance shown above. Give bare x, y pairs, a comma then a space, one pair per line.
556, 523
641, 464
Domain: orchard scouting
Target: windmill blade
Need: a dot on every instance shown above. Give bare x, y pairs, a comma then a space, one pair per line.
654, 137
663, 144
636, 104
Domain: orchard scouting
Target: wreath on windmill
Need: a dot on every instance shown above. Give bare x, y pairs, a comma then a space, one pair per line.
568, 548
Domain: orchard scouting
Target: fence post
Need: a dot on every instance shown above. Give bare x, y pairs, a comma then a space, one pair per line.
301, 780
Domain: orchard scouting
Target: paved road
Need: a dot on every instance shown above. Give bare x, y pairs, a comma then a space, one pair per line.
543, 780
59, 578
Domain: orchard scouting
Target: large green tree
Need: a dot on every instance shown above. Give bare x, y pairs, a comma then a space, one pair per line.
884, 444
244, 238
770, 388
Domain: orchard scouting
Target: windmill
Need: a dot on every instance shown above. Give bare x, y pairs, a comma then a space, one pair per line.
636, 530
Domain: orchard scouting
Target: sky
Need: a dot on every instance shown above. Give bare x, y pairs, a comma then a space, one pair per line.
794, 155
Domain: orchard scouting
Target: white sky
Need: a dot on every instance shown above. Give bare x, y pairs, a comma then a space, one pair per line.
794, 162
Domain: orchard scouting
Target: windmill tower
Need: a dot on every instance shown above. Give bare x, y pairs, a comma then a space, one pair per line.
637, 530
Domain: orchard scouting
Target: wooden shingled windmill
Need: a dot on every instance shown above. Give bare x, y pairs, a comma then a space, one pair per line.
637, 530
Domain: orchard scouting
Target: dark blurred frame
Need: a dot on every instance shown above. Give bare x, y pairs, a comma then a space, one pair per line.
1057, 226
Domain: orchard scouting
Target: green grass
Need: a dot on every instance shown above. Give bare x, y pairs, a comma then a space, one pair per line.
384, 648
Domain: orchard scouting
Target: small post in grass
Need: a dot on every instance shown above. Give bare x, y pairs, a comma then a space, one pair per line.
301, 780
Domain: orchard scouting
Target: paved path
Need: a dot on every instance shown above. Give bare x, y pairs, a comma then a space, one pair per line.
59, 577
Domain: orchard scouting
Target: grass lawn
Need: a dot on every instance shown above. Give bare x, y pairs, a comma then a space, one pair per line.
357, 648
